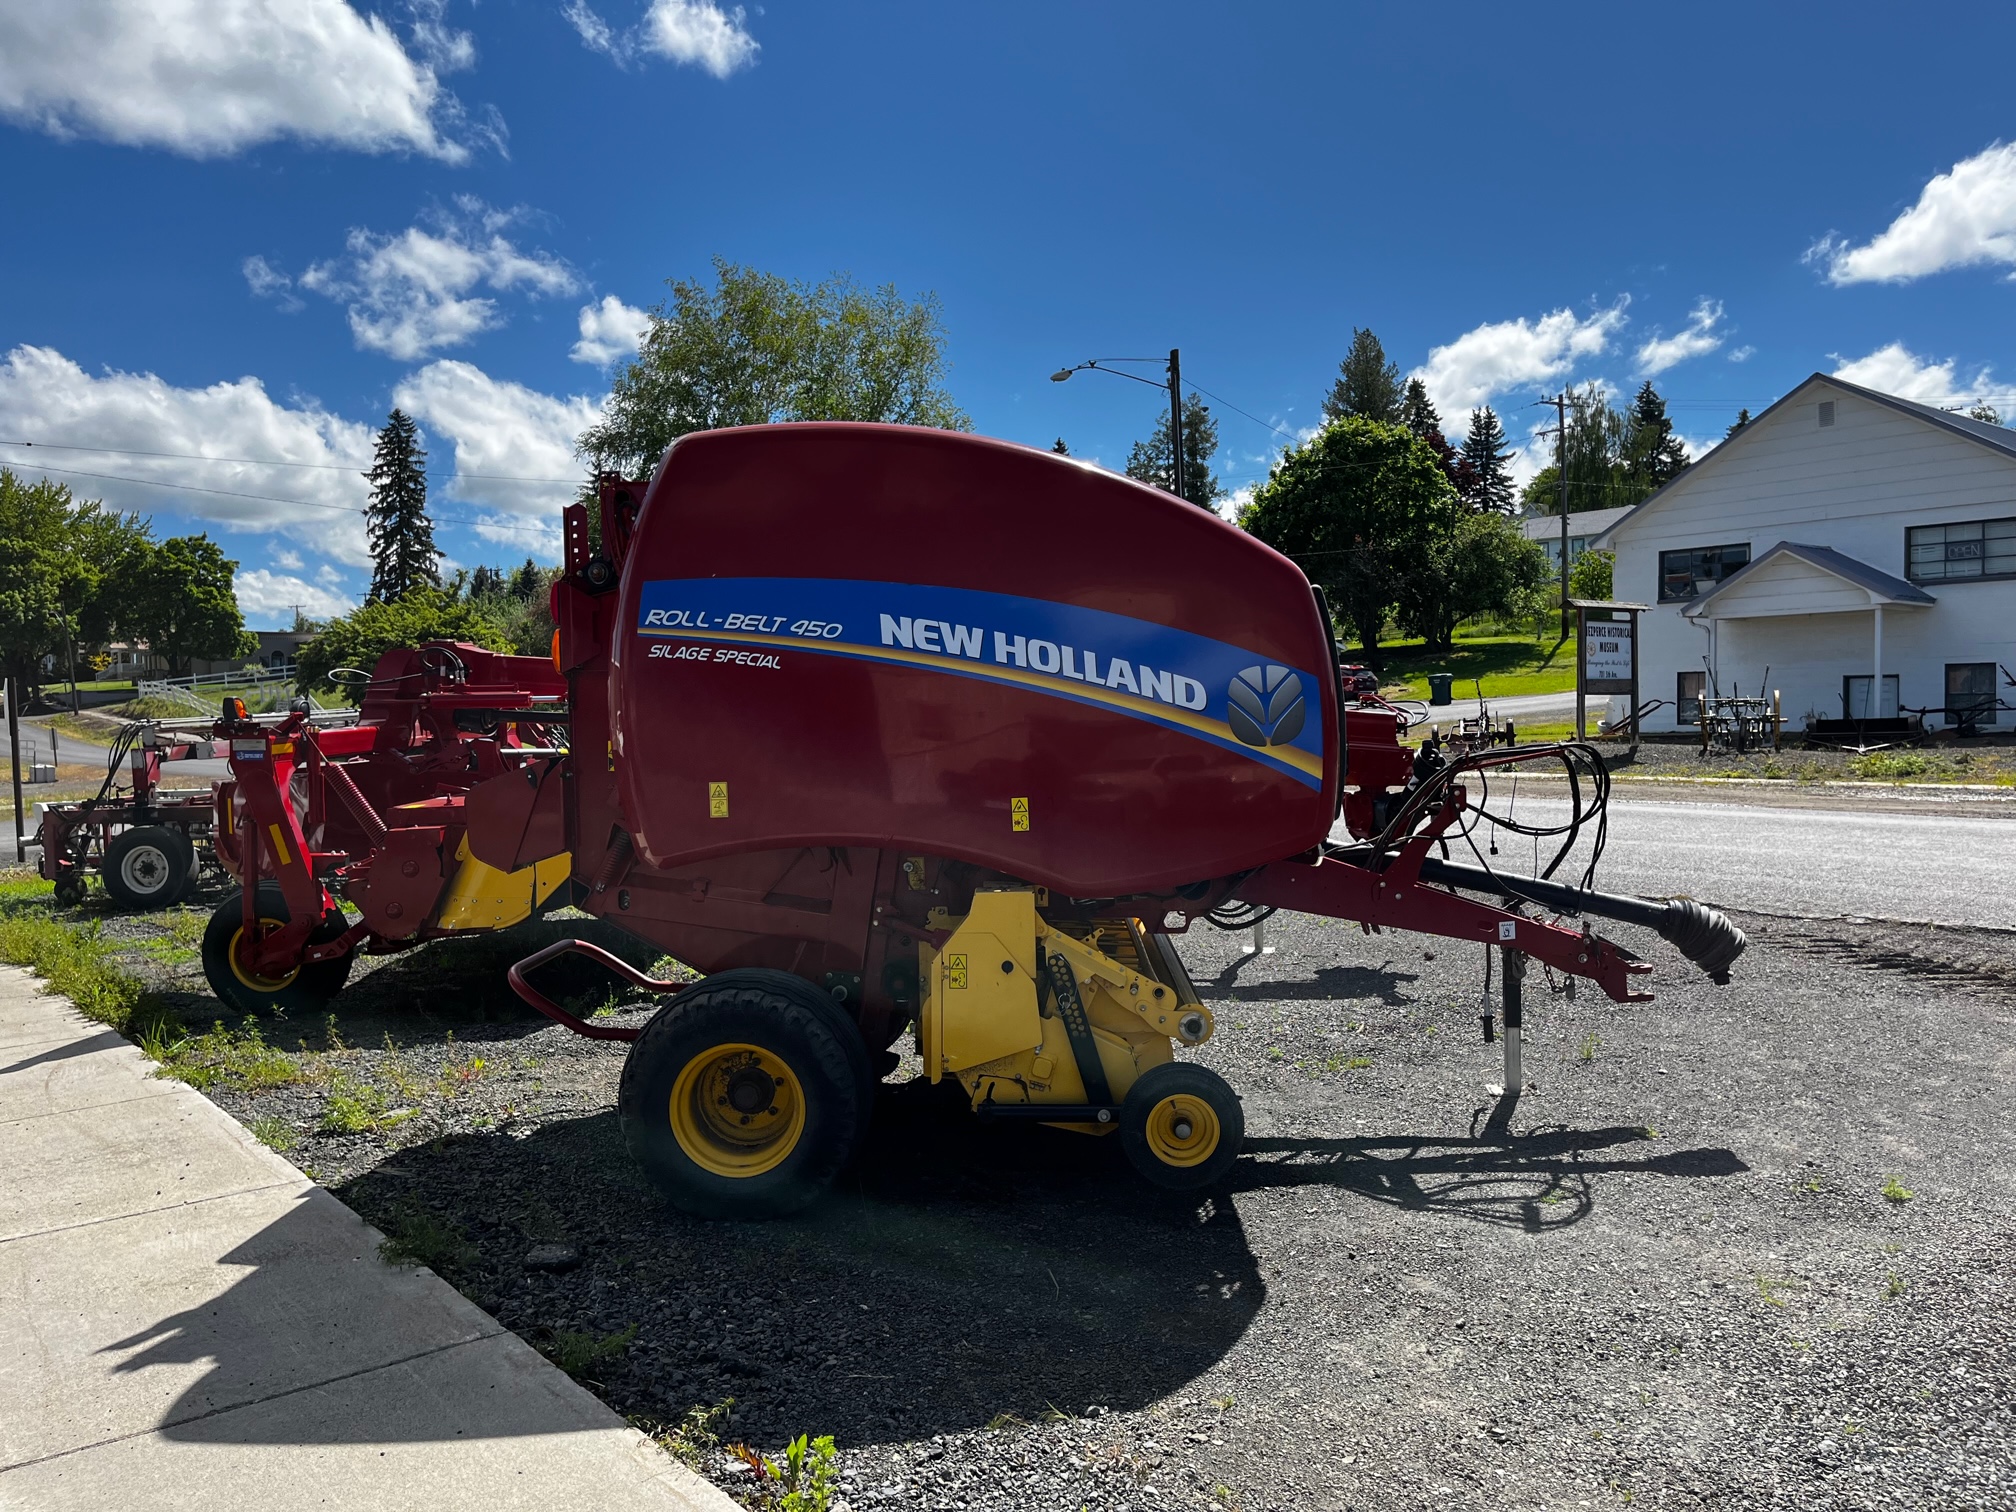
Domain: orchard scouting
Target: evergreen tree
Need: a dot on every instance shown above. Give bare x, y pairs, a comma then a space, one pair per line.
402, 537
527, 580
1653, 455
1417, 411
486, 582
1149, 460
1367, 384
1742, 419
1488, 479
1060, 448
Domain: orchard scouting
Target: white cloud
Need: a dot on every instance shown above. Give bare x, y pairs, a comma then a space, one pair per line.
209, 78
1512, 354
1896, 369
269, 282
414, 293
1743, 354
47, 398
273, 595
445, 49
291, 560
610, 331
684, 31
1963, 217
1697, 340
504, 431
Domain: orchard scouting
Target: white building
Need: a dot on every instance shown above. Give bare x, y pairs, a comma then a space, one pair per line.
1843, 541
1583, 529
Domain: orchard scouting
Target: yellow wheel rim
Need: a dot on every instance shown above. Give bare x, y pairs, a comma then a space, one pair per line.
737, 1110
1182, 1130
252, 979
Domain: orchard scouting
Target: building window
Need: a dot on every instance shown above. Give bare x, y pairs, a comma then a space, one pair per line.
1855, 697
1686, 574
1826, 413
1688, 698
1970, 693
1945, 553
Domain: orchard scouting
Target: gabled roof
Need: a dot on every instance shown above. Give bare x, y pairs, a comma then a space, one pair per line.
1582, 523
1995, 437
1881, 587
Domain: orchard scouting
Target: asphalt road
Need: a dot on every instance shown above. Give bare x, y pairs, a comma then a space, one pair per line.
1808, 862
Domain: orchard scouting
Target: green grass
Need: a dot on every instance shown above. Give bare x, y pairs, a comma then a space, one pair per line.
357, 1108
1507, 665
422, 1239
71, 958
578, 1353
239, 1059
1894, 1191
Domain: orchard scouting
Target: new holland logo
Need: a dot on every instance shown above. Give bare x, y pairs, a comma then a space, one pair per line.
1265, 707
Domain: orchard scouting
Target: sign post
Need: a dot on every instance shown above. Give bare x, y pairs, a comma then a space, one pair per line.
1606, 656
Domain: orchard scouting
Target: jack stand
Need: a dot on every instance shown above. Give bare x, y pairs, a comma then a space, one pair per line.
1258, 944
1514, 963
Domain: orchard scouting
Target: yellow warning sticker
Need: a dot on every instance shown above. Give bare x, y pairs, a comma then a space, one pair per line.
955, 971
717, 800
1018, 813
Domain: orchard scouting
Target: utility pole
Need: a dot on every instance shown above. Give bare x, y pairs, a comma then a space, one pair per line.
14, 750
1560, 403
1176, 421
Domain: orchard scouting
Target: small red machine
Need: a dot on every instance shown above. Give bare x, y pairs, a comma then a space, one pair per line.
144, 842
885, 729
450, 739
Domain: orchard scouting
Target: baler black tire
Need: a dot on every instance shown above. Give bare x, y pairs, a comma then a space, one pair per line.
716, 1031
308, 989
1168, 1093
148, 867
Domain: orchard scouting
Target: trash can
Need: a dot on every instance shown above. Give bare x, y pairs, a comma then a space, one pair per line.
1438, 687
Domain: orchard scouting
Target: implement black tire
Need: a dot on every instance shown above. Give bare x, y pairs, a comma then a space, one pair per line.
745, 1095
1181, 1126
149, 867
307, 989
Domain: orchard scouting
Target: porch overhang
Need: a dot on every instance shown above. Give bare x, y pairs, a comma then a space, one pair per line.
1792, 578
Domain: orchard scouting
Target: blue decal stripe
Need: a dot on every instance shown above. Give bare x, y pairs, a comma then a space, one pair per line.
1300, 765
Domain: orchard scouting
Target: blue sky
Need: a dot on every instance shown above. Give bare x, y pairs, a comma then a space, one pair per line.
245, 232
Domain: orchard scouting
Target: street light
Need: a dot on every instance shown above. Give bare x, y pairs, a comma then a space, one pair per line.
1175, 401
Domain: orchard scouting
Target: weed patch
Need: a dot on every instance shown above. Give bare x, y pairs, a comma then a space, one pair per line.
276, 1134
357, 1108
239, 1060
803, 1482
579, 1353
694, 1437
1896, 1192
422, 1239
71, 958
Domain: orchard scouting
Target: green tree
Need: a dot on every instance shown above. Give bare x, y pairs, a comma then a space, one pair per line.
1653, 456
359, 638
1367, 385
1593, 575
178, 597
1488, 474
1742, 419
1417, 411
1595, 453
64, 565
1359, 505
1985, 412
402, 537
1149, 461
1060, 448
757, 348
1467, 563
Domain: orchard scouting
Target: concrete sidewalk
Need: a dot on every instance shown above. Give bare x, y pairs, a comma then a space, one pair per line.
187, 1321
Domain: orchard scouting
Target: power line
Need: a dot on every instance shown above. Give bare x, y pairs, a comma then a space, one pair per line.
232, 493
127, 451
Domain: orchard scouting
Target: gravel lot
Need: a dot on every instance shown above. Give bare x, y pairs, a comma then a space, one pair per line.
1670, 1278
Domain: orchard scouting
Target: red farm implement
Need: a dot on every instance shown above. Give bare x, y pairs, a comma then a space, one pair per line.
885, 729
146, 843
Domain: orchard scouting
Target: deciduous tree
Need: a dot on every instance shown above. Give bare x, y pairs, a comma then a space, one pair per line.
178, 598
1360, 506
756, 348
360, 637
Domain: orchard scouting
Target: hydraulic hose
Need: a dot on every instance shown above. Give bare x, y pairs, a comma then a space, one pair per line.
1702, 934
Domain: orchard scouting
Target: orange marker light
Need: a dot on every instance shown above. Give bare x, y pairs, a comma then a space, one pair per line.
556, 652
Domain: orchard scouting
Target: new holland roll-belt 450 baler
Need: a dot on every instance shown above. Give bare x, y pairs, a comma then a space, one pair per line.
882, 728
